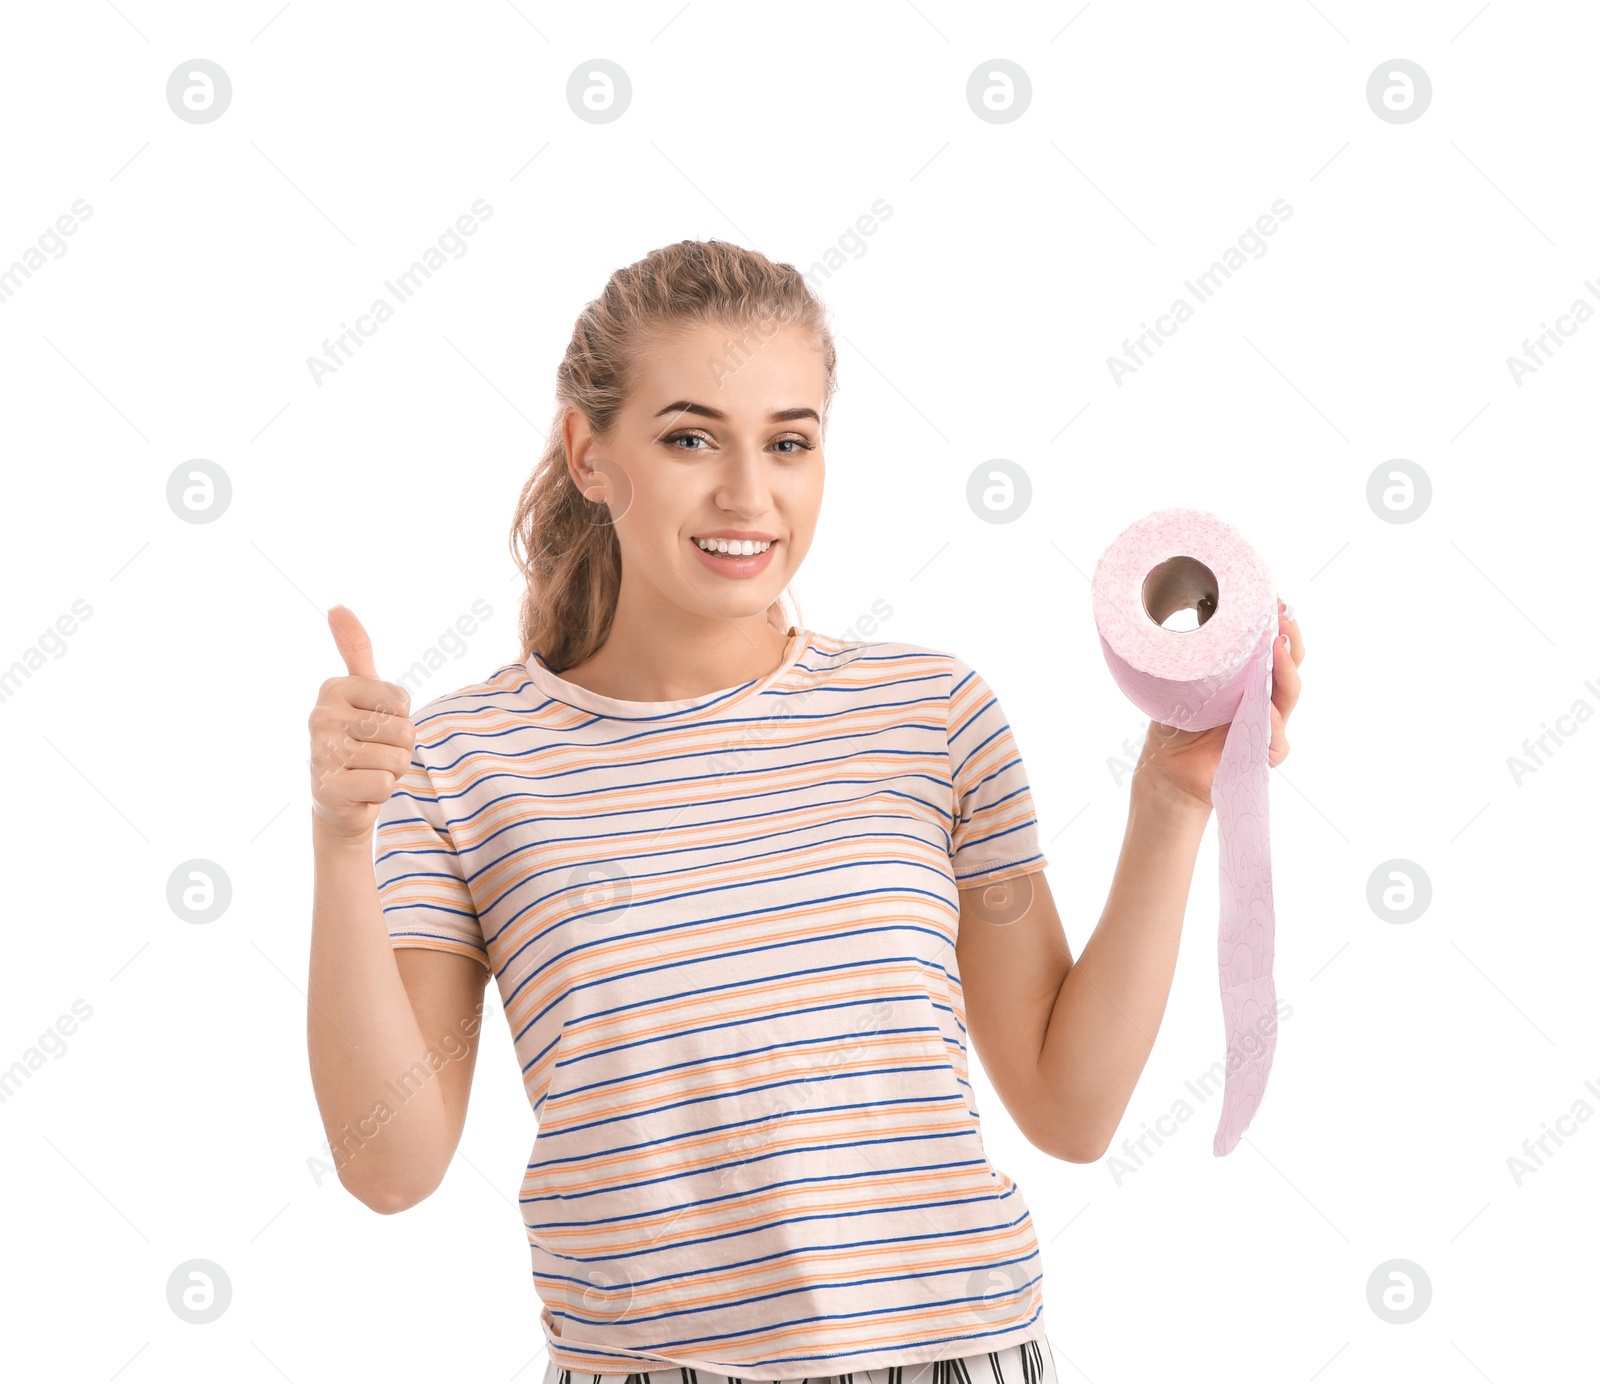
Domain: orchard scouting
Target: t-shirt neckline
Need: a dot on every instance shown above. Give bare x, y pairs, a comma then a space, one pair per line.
557, 687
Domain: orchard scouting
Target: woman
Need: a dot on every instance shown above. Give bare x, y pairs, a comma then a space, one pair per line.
744, 889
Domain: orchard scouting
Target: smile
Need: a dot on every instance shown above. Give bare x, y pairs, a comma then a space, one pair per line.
734, 557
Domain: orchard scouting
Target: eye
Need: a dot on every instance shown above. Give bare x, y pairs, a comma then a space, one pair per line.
799, 444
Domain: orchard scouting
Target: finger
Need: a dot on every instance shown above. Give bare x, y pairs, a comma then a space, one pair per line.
370, 786
1288, 625
1278, 748
367, 726
344, 756
369, 754
354, 645
376, 695
1285, 679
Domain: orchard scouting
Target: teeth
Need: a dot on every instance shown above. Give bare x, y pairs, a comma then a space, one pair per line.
746, 547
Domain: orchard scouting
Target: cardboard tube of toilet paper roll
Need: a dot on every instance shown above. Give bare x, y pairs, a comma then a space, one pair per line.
1217, 671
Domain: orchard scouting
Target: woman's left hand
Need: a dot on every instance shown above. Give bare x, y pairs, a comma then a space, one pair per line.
1185, 761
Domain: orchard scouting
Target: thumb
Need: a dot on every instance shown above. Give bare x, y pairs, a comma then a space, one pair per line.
354, 644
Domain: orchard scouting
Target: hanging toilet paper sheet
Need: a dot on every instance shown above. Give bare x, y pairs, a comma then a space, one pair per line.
1218, 671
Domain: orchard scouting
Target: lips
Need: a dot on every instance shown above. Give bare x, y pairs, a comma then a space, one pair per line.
740, 566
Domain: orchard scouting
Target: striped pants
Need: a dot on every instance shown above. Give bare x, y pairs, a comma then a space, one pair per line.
1027, 1363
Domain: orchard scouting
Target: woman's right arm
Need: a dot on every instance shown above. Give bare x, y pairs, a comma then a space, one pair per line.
392, 1032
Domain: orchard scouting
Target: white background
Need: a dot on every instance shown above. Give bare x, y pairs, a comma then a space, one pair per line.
179, 1122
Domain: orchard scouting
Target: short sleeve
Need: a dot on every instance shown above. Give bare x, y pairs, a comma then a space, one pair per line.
994, 833
422, 885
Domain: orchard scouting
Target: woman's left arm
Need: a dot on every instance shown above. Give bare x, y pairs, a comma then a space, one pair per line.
1064, 1042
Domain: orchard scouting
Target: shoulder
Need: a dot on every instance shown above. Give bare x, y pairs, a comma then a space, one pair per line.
882, 661
899, 670
467, 710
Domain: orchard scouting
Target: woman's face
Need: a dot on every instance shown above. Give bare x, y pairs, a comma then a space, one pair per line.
722, 438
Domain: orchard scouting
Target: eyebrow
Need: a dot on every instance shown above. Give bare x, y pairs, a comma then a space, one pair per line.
783, 415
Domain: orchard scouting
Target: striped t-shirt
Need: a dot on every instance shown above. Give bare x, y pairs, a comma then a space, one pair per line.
723, 930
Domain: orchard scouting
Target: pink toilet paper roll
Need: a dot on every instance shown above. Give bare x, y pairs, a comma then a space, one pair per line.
1214, 673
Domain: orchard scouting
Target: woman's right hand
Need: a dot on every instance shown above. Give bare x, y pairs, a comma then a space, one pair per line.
362, 738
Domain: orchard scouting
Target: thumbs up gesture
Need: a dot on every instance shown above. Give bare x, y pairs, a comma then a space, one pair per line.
361, 736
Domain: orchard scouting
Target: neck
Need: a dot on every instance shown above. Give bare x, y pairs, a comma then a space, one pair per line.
662, 657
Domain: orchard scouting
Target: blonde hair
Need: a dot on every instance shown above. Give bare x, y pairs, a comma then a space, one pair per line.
563, 542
